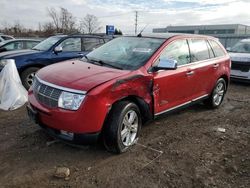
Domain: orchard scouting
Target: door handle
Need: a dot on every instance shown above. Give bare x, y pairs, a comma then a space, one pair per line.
216, 65
189, 73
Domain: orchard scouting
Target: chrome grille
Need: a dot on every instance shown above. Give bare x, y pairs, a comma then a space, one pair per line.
242, 66
46, 95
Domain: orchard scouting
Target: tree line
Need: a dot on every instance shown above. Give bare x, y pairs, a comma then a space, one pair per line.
61, 22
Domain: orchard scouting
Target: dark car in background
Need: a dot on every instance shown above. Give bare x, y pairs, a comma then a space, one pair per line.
240, 57
4, 37
18, 44
52, 50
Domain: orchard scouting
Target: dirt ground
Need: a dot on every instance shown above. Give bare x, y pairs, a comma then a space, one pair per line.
183, 149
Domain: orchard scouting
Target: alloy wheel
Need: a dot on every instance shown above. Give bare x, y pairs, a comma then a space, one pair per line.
218, 93
129, 128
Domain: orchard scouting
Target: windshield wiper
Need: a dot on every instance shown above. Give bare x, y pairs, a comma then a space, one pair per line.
36, 49
102, 63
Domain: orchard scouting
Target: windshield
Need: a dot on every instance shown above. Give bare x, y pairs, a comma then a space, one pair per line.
47, 43
241, 47
127, 53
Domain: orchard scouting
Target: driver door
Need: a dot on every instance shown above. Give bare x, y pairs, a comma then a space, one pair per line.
71, 49
173, 88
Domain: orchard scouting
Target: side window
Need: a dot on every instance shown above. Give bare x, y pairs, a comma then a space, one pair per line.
199, 50
71, 45
178, 51
91, 43
14, 46
30, 44
218, 51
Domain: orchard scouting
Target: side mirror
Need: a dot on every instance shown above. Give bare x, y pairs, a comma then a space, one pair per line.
58, 49
3, 49
166, 64
228, 49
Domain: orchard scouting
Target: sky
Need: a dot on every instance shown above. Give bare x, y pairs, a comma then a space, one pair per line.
121, 13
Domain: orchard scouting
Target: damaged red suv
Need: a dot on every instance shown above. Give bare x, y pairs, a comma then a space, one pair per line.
119, 86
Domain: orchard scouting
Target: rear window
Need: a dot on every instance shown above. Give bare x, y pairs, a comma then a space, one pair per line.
199, 50
218, 51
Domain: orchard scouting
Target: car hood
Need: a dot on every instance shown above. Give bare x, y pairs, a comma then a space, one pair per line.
242, 57
79, 75
17, 53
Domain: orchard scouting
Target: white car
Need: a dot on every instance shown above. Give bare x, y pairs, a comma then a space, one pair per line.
5, 37
240, 57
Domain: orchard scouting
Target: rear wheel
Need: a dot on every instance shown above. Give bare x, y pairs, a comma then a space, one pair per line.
122, 127
217, 96
28, 75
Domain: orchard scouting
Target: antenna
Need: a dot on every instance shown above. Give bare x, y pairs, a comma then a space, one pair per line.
140, 34
136, 20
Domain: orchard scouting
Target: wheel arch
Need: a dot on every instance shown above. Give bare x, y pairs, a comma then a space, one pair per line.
225, 77
143, 106
29, 66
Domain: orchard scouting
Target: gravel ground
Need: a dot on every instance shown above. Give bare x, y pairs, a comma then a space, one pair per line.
183, 149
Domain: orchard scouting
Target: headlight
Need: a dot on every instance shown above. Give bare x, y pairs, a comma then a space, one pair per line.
70, 101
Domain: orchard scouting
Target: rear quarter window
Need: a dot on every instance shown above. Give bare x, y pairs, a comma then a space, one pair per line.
218, 51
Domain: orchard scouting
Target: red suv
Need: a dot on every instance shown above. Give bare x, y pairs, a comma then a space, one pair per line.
119, 86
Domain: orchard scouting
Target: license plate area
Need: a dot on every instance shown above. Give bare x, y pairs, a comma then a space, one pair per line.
33, 115
66, 135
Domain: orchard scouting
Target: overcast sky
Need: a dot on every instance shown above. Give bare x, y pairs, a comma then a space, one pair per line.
121, 13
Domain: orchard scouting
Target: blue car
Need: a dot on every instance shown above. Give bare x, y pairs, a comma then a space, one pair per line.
52, 50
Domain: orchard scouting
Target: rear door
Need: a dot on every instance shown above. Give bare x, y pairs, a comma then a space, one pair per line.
173, 88
202, 65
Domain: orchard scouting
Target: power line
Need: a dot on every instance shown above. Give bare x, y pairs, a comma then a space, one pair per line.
115, 15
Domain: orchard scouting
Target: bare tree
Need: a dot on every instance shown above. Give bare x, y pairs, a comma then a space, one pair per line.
48, 29
90, 24
53, 14
62, 20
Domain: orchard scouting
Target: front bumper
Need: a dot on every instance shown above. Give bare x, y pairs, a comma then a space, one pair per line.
88, 119
239, 75
74, 138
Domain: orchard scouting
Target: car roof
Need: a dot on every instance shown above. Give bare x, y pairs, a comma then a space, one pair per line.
79, 35
169, 35
3, 35
16, 40
88, 35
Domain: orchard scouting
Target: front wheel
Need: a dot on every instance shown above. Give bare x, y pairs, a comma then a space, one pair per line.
28, 75
217, 96
122, 127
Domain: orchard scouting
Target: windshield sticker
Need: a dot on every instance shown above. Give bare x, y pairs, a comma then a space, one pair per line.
142, 50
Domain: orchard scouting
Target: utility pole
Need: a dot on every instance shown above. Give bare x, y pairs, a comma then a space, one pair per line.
136, 19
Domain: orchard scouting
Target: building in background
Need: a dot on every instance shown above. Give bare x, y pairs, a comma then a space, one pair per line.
228, 34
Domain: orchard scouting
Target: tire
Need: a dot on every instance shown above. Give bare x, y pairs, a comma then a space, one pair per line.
27, 76
217, 95
118, 134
